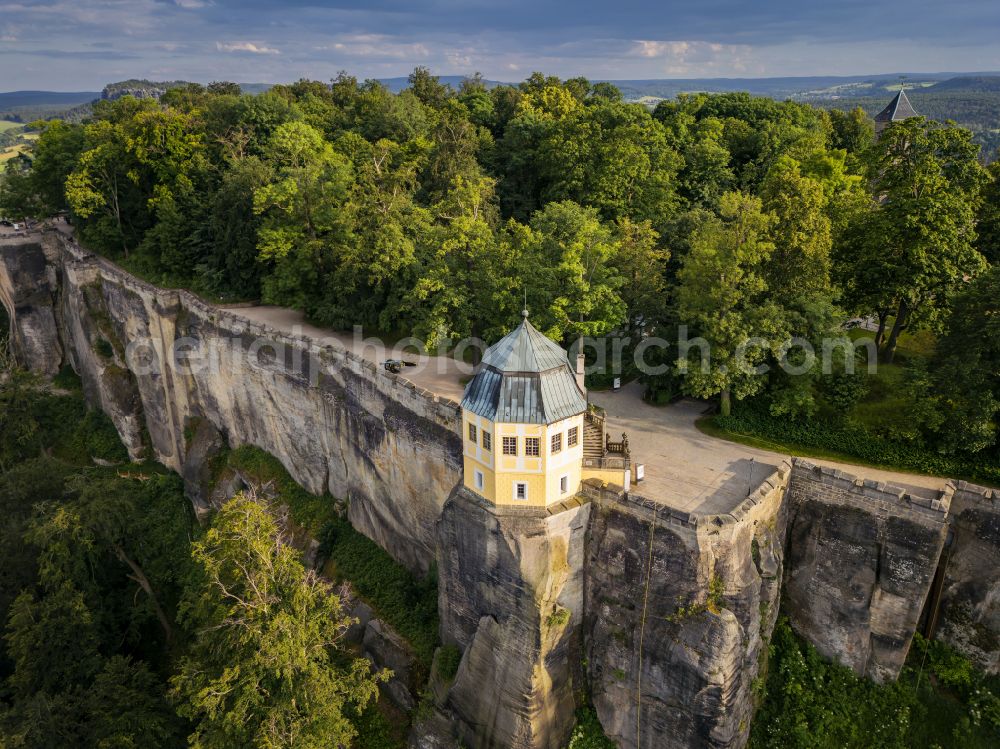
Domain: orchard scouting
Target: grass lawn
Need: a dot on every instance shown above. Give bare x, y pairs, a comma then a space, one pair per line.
6, 125
10, 152
879, 430
707, 425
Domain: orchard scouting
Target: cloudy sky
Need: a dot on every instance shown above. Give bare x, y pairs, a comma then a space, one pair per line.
70, 45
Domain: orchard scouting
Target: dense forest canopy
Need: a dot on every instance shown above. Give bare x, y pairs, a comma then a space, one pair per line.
434, 211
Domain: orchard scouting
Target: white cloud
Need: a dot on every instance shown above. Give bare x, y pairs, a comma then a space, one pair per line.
691, 58
250, 47
376, 46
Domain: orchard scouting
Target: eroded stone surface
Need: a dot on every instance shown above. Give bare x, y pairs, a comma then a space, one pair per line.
27, 291
970, 598
334, 421
679, 615
861, 560
511, 597
671, 611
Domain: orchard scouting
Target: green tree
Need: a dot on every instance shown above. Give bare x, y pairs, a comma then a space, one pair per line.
303, 225
261, 668
801, 233
42, 190
19, 398
101, 186
457, 142
988, 221
574, 286
968, 366
466, 271
851, 131
915, 249
642, 264
231, 265
722, 296
376, 270
428, 88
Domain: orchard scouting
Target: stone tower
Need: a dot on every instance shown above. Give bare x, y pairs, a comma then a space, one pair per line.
898, 109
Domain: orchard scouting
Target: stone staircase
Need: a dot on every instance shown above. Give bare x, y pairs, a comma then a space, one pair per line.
593, 436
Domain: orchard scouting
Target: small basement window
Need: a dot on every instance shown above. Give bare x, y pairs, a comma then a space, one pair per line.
563, 484
520, 490
479, 480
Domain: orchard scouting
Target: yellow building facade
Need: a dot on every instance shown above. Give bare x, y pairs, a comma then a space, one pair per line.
518, 464
523, 423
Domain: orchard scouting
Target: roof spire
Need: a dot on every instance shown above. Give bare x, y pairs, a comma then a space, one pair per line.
524, 310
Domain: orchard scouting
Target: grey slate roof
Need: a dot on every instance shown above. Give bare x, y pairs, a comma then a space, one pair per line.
898, 109
524, 378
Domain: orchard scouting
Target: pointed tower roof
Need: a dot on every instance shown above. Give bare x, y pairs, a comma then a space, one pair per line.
898, 109
524, 378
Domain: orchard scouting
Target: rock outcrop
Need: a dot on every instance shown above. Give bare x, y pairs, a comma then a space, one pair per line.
28, 293
663, 616
511, 597
679, 613
862, 556
969, 603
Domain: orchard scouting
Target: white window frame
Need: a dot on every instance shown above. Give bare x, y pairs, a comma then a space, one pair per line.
564, 484
479, 479
514, 493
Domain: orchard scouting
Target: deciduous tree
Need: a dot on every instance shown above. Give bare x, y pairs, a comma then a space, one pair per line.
260, 670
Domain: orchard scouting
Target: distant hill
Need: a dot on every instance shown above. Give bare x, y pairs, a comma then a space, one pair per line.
968, 84
789, 87
14, 99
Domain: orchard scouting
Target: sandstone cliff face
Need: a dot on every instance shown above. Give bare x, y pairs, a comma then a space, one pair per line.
970, 597
336, 422
27, 291
861, 559
679, 614
511, 597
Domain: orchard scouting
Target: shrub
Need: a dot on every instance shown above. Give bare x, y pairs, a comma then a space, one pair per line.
853, 441
939, 700
588, 733
448, 659
407, 603
103, 347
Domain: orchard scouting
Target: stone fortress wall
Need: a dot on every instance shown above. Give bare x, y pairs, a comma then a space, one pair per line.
665, 615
